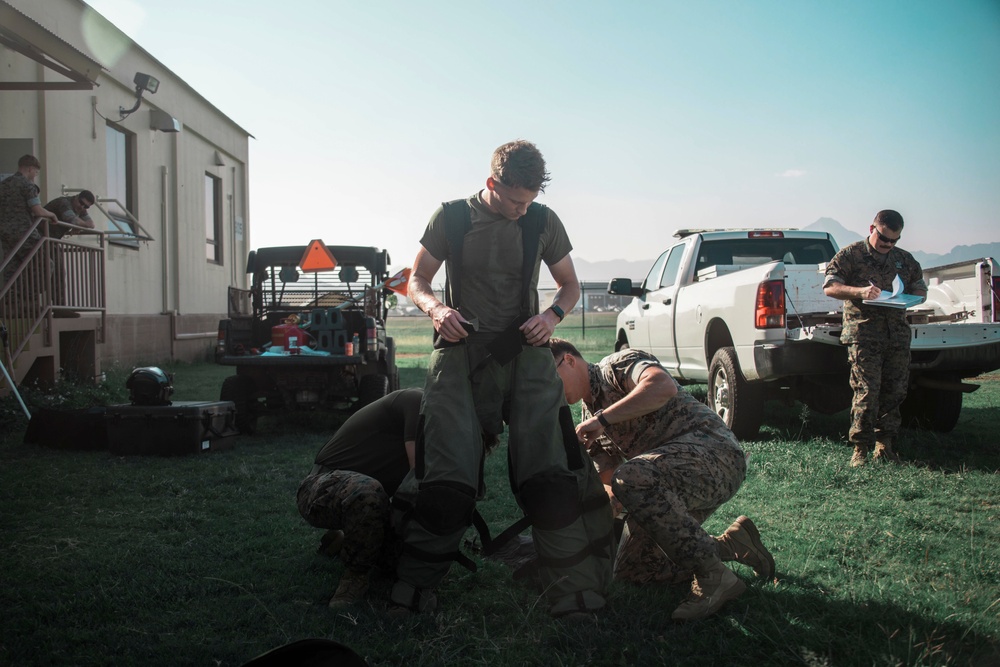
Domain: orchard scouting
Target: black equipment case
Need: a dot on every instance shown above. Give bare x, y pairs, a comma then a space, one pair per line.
80, 429
184, 427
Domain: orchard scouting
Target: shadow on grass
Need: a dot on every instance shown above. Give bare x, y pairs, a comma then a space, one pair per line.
792, 622
971, 445
806, 624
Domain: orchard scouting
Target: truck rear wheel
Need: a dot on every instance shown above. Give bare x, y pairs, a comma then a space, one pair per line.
390, 369
931, 409
371, 388
736, 401
239, 390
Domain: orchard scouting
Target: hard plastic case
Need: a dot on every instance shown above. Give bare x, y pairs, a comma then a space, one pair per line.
184, 427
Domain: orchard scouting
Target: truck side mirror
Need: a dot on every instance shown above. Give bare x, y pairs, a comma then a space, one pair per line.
623, 287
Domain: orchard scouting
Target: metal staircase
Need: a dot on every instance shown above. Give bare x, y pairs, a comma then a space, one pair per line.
53, 306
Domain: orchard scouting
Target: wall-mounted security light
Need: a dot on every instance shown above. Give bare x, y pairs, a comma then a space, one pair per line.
146, 82
142, 82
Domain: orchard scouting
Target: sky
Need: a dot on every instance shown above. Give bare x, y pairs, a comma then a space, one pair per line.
652, 116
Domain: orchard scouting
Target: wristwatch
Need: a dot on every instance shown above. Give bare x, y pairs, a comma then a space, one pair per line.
602, 419
560, 313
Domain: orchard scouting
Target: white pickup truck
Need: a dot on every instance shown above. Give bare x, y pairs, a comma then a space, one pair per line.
744, 312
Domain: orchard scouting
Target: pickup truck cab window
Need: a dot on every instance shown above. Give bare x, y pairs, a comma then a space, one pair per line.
673, 264
652, 280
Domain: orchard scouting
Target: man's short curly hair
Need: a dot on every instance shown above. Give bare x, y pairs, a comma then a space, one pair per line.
519, 164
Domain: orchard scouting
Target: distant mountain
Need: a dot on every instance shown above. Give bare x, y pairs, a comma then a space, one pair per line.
604, 270
927, 260
842, 235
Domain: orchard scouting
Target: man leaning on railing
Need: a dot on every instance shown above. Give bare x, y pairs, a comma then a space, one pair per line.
73, 211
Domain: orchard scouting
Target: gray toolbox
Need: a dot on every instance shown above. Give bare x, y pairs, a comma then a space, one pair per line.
183, 427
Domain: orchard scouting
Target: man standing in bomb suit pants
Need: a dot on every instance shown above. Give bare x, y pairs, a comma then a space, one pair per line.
670, 461
491, 365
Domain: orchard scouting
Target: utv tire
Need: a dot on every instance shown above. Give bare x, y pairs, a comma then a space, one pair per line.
739, 403
239, 390
390, 369
371, 388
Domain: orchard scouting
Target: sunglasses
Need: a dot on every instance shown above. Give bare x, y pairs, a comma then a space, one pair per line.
883, 238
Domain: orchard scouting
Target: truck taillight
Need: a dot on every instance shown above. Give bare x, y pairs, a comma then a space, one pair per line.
371, 334
770, 310
996, 298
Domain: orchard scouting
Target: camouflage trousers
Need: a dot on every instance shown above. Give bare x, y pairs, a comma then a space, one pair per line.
879, 377
669, 492
356, 504
8, 239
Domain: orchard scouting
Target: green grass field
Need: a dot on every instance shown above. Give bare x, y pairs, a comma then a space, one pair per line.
203, 560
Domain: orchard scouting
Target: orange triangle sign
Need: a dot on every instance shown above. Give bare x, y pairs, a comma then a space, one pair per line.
317, 257
399, 282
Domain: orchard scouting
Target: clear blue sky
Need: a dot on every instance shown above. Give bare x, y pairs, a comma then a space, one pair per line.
652, 115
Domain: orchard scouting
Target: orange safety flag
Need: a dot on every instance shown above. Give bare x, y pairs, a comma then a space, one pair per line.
399, 282
317, 257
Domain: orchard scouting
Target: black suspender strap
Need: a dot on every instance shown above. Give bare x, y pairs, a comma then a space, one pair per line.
532, 224
457, 223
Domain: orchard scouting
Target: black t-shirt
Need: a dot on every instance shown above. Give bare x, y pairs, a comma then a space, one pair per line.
371, 441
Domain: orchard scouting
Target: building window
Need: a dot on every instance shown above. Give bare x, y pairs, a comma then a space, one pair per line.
121, 185
213, 219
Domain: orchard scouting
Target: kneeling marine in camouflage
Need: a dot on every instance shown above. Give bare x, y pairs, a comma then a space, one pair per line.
670, 462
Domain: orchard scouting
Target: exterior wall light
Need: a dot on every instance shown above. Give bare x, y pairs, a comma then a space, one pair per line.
142, 82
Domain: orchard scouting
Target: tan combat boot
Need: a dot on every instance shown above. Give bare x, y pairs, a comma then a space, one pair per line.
884, 452
860, 456
741, 543
406, 599
352, 589
714, 585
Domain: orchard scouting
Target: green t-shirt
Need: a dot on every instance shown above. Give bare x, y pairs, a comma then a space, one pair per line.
63, 208
372, 440
492, 256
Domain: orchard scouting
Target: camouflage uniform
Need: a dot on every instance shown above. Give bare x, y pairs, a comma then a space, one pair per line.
355, 474
673, 468
17, 196
878, 338
356, 504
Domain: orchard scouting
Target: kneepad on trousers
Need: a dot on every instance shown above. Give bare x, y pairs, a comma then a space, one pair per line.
443, 508
550, 500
